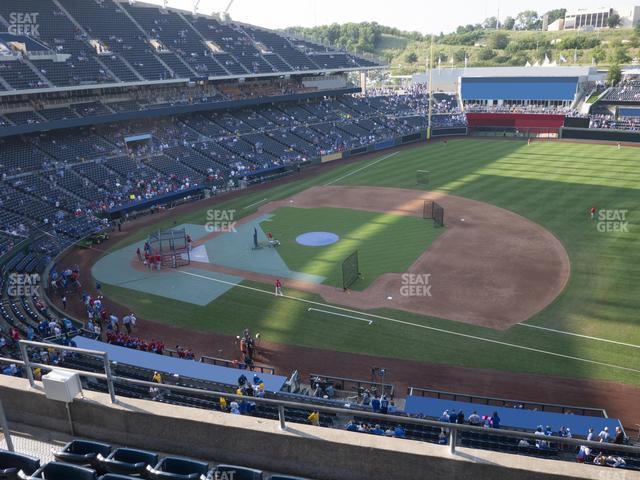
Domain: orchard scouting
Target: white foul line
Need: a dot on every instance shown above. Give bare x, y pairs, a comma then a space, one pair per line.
579, 335
255, 203
360, 169
339, 315
417, 325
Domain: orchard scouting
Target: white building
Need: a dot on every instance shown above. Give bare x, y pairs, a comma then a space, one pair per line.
594, 18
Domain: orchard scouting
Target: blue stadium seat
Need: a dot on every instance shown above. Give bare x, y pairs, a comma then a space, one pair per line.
11, 463
174, 468
82, 452
127, 461
239, 473
63, 471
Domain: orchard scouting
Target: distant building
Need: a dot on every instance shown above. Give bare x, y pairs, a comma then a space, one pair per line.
594, 18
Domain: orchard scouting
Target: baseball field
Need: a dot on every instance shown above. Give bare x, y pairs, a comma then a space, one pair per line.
523, 279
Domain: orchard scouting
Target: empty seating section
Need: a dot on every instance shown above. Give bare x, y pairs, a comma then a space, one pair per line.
20, 76
179, 36
108, 22
169, 167
18, 156
74, 146
62, 113
67, 32
58, 32
194, 160
239, 53
626, 92
281, 47
91, 109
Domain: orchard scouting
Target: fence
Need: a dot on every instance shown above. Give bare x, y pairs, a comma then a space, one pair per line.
453, 429
223, 362
350, 270
501, 402
433, 211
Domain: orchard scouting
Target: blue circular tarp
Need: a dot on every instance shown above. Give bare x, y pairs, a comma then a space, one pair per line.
317, 239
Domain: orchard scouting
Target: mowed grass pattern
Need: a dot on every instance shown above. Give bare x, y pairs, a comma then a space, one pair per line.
553, 184
385, 243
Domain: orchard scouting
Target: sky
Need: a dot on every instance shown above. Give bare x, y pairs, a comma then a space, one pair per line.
419, 15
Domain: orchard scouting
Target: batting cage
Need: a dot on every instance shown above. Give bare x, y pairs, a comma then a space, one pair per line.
423, 177
172, 247
433, 211
350, 270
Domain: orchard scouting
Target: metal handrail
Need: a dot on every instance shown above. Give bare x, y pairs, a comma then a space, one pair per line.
453, 428
104, 355
504, 401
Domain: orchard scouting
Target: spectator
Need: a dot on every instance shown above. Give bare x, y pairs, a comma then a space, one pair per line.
314, 418
604, 435
495, 420
474, 419
619, 437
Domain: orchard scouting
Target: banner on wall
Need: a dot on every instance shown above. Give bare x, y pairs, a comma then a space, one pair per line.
331, 157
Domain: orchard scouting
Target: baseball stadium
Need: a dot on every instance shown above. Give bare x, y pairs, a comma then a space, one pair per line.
234, 252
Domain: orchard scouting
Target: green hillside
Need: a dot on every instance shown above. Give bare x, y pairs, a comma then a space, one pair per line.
407, 52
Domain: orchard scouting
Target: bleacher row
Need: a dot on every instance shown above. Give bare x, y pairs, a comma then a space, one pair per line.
145, 42
85, 460
57, 181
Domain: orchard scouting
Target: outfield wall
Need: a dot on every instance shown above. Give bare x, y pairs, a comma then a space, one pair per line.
600, 135
314, 452
521, 121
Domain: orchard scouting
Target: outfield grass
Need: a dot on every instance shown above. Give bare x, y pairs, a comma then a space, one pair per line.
553, 184
385, 243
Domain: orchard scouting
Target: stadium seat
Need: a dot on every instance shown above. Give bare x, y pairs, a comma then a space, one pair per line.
63, 471
127, 461
11, 463
174, 468
82, 452
239, 473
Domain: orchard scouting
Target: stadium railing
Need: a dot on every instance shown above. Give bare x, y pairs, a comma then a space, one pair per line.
502, 402
453, 429
223, 362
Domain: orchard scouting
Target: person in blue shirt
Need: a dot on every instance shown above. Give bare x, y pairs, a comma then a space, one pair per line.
398, 432
30, 333
495, 420
384, 404
453, 416
352, 426
375, 405
377, 430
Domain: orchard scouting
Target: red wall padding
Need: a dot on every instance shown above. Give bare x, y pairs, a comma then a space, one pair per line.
515, 120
